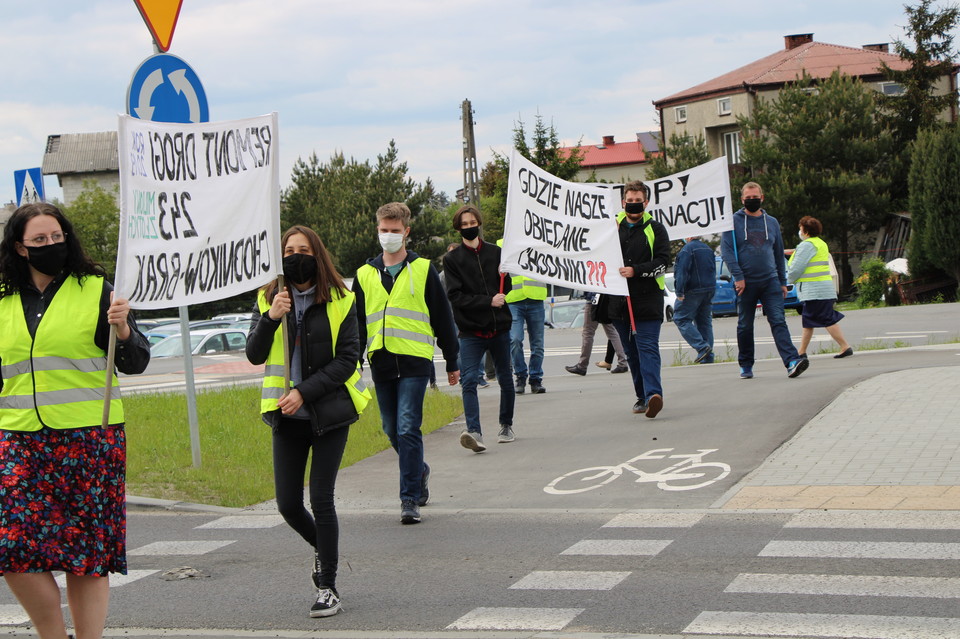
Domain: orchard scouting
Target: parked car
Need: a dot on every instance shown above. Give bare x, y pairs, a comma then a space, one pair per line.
159, 333
221, 323
670, 297
233, 317
725, 297
202, 342
566, 314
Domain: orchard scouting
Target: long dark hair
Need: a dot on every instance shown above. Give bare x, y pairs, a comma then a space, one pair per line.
327, 276
15, 269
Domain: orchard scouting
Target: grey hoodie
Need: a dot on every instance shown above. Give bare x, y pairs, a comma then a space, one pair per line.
753, 250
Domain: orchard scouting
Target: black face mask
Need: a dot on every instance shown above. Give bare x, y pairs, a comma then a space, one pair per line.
470, 233
300, 268
752, 204
634, 208
49, 259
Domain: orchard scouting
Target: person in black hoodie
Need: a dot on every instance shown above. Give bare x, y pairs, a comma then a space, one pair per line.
326, 394
473, 282
404, 307
646, 252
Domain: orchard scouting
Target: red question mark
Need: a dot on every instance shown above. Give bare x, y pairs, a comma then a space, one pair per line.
603, 274
592, 270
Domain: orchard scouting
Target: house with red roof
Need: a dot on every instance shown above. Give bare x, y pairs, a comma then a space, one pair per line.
617, 162
711, 108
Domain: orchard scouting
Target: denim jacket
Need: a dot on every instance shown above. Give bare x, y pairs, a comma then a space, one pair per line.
695, 270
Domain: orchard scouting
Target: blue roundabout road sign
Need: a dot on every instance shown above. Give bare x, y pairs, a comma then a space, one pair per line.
165, 89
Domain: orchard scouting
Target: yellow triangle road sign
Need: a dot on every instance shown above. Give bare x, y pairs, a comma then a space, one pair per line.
161, 18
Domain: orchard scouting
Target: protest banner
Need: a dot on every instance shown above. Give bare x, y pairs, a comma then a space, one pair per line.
694, 202
199, 210
560, 232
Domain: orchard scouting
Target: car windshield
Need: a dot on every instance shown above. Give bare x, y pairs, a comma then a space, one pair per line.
172, 346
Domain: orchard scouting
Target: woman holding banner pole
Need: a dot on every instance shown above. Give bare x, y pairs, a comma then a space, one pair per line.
327, 394
62, 473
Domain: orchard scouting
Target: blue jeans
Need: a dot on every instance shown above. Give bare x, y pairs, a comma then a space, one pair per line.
401, 414
770, 294
533, 313
472, 349
693, 317
643, 356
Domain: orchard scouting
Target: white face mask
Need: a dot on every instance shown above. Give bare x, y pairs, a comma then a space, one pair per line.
801, 235
391, 242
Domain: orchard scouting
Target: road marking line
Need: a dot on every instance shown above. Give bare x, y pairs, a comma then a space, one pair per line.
654, 520
875, 519
244, 521
636, 547
116, 580
784, 624
516, 619
862, 549
847, 585
12, 615
179, 547
570, 580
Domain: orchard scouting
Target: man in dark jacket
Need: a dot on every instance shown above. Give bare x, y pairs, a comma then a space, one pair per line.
474, 288
695, 282
646, 252
403, 306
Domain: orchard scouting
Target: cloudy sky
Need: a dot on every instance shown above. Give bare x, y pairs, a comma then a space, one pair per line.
352, 75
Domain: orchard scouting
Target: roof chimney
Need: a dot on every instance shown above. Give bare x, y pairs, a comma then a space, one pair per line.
883, 47
608, 140
794, 41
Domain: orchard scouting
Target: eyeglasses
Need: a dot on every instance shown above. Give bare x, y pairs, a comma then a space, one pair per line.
43, 240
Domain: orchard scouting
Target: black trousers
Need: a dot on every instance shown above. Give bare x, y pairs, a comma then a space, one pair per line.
292, 442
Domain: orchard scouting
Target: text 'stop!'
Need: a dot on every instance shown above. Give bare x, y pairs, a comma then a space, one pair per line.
199, 210
560, 232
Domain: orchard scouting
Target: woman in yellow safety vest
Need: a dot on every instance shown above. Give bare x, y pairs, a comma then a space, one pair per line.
809, 269
325, 397
62, 473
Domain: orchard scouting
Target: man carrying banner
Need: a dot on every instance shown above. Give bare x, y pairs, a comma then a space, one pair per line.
753, 251
646, 252
525, 301
405, 308
480, 310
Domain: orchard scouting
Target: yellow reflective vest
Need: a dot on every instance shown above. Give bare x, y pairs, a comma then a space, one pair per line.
524, 288
818, 268
55, 378
273, 372
398, 321
648, 231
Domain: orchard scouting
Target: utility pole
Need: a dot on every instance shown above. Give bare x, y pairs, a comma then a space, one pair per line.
471, 178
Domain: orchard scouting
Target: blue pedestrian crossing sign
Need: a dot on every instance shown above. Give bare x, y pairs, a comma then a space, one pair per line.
29, 183
165, 89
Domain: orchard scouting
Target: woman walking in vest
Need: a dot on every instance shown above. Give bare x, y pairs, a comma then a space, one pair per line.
326, 395
809, 269
62, 488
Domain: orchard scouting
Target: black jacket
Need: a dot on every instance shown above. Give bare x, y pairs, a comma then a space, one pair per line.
646, 296
324, 394
472, 279
384, 365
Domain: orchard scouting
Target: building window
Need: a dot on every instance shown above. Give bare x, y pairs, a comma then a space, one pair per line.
724, 107
731, 147
891, 88
680, 113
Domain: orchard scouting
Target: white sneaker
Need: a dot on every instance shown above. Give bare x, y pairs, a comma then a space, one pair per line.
473, 441
506, 435
328, 603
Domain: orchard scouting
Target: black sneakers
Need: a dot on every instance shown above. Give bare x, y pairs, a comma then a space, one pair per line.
409, 512
328, 603
536, 387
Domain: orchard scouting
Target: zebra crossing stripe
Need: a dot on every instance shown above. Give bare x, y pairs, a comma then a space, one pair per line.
862, 550
847, 585
116, 580
783, 624
516, 619
635, 547
654, 520
179, 547
244, 521
570, 580
12, 615
898, 520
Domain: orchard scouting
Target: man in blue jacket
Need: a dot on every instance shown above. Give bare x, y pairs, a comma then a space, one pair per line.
695, 282
753, 251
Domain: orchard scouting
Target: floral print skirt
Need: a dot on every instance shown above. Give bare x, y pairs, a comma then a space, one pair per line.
62, 501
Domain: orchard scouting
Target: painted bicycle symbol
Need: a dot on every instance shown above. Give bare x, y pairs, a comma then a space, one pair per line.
688, 474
